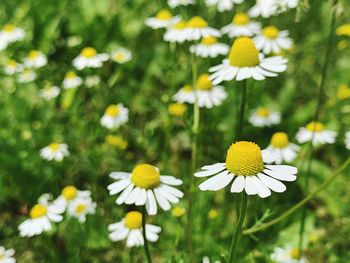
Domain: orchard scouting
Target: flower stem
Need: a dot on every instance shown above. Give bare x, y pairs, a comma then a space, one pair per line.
147, 254
240, 124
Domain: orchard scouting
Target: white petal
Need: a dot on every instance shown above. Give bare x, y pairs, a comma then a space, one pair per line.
272, 183
151, 204
217, 182
238, 184
283, 168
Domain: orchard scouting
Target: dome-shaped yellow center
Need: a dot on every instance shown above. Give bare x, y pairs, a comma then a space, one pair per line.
70, 75
294, 253
263, 112
145, 176
9, 28
178, 211
54, 146
11, 63
177, 109
119, 56
117, 141
37, 211
180, 25
69, 192
204, 83
33, 54
343, 30
243, 53
279, 140
315, 126
343, 92
209, 41
88, 52
80, 208
240, 19
164, 14
133, 220
244, 158
271, 32
197, 22
186, 88
112, 110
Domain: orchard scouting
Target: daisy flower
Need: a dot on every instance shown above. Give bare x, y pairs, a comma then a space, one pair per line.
287, 255
207, 94
263, 117
69, 195
245, 166
11, 67
114, 116
81, 207
197, 28
282, 148
88, 58
316, 131
121, 55
6, 255
163, 19
177, 109
244, 62
145, 186
264, 8
71, 80
223, 5
185, 95
41, 217
116, 141
241, 26
54, 151
272, 40
130, 228
175, 3
49, 92
26, 76
347, 140
10, 33
35, 59
176, 33
209, 47
284, 5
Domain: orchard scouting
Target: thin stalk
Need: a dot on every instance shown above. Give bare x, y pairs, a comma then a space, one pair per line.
147, 254
240, 124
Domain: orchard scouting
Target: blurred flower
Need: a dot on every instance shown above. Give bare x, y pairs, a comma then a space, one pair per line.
185, 94
176, 33
145, 186
69, 195
121, 55
74, 41
92, 81
41, 216
347, 140
197, 28
116, 141
244, 62
343, 30
246, 162
287, 255
114, 116
342, 44
284, 5
178, 211
49, 92
54, 151
163, 19
207, 260
177, 109
223, 5
35, 59
10, 33
81, 207
11, 67
6, 255
213, 213
316, 235
88, 58
71, 80
317, 132
130, 228
273, 40
282, 148
175, 3
209, 47
265, 8
26, 76
241, 26
343, 92
26, 135
263, 117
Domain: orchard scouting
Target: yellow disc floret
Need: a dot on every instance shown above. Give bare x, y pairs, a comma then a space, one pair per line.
116, 141
279, 140
164, 14
343, 92
240, 19
209, 40
70, 75
33, 54
204, 83
112, 110
197, 22
133, 220
271, 32
343, 30
315, 126
243, 53
186, 88
263, 112
180, 25
69, 192
178, 211
9, 28
37, 211
11, 63
88, 52
177, 109
244, 159
80, 208
294, 253
145, 176
54, 146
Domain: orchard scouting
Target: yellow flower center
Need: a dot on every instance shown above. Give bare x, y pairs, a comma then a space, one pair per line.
279, 140
187, 88
177, 109
180, 25
133, 220
2, 255
119, 56
244, 158
38, 211
178, 211
112, 110
209, 41
164, 14
271, 32
11, 63
54, 146
88, 52
294, 253
240, 19
203, 82
243, 53
69, 192
213, 214
70, 75
9, 28
343, 30
343, 92
263, 112
80, 208
197, 22
145, 176
315, 126
33, 54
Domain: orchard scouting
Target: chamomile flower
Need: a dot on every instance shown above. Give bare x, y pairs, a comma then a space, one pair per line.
121, 55
71, 80
316, 132
282, 149
145, 186
244, 62
177, 109
264, 8
263, 117
284, 5
114, 116
223, 5
176, 33
54, 151
245, 167
81, 207
26, 76
49, 92
347, 140
69, 195
163, 19
197, 28
41, 216
12, 67
35, 59
130, 228
209, 47
6, 255
10, 33
241, 26
287, 255
272, 40
175, 3
89, 58
185, 95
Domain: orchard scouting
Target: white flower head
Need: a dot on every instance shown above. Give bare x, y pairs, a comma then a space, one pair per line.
163, 19
12, 67
264, 8
284, 5
223, 5
49, 92
10, 33
121, 55
54, 151
176, 33
130, 228
81, 207
197, 28
209, 47
272, 40
71, 80
115, 116
347, 140
185, 95
175, 3
284, 150
35, 59
316, 132
145, 186
26, 76
6, 255
287, 255
92, 81
89, 58
241, 26
264, 117
70, 194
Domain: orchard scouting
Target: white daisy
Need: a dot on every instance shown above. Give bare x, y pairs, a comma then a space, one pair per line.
35, 59
88, 58
130, 228
175, 3
263, 117
241, 26
244, 62
10, 33
81, 207
145, 186
223, 5
41, 216
209, 47
26, 76
6, 255
287, 255
121, 55
71, 80
316, 131
70, 194
197, 28
92, 81
347, 140
264, 8
272, 40
54, 151
185, 95
114, 116
12, 67
49, 92
282, 148
163, 19
245, 166
176, 33
284, 5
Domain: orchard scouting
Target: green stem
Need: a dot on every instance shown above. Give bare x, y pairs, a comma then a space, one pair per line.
240, 124
147, 254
